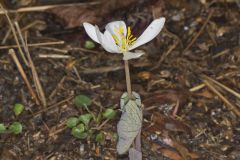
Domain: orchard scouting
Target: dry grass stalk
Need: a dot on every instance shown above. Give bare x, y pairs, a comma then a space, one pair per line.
43, 8
200, 86
23, 74
33, 45
39, 89
14, 34
228, 103
224, 87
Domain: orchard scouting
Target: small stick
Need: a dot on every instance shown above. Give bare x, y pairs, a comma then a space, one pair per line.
55, 56
42, 8
12, 53
55, 49
228, 104
33, 45
128, 80
15, 35
200, 31
224, 87
200, 86
36, 80
53, 106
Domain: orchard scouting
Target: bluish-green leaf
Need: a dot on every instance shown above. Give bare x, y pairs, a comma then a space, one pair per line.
18, 109
109, 113
15, 128
72, 122
2, 128
85, 118
82, 101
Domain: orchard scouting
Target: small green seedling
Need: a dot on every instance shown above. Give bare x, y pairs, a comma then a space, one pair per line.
72, 122
89, 45
82, 101
81, 126
15, 128
109, 113
85, 118
18, 109
78, 132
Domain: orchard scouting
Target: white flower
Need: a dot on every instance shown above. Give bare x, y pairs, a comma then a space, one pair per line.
118, 38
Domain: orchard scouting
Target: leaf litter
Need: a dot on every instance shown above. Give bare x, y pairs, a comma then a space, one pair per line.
200, 38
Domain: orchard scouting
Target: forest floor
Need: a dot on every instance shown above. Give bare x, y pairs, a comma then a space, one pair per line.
193, 64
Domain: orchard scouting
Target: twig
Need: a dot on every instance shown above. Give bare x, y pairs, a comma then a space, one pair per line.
53, 106
228, 104
23, 74
55, 56
200, 86
221, 53
55, 49
101, 125
33, 45
15, 35
85, 50
128, 80
224, 87
200, 31
39, 89
43, 8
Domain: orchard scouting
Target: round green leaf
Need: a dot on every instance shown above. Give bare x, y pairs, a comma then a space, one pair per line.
72, 122
81, 127
76, 132
85, 118
18, 109
82, 101
109, 113
100, 137
89, 45
15, 128
2, 128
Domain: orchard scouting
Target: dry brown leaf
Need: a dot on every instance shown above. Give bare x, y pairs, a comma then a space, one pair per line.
167, 97
144, 75
184, 152
74, 16
205, 93
162, 122
170, 154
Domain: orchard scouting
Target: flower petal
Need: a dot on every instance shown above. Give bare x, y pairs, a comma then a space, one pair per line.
104, 41
151, 32
132, 55
111, 42
113, 26
91, 31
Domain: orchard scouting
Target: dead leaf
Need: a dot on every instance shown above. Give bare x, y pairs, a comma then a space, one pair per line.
179, 98
162, 122
74, 16
205, 93
184, 152
144, 75
170, 154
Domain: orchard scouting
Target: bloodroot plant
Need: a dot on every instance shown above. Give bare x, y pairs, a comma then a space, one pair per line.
117, 38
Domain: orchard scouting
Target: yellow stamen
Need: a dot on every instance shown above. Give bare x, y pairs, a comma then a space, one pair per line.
123, 41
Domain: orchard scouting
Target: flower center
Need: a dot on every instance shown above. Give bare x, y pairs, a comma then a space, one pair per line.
124, 42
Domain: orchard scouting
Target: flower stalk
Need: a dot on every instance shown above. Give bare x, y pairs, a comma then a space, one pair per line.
128, 79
